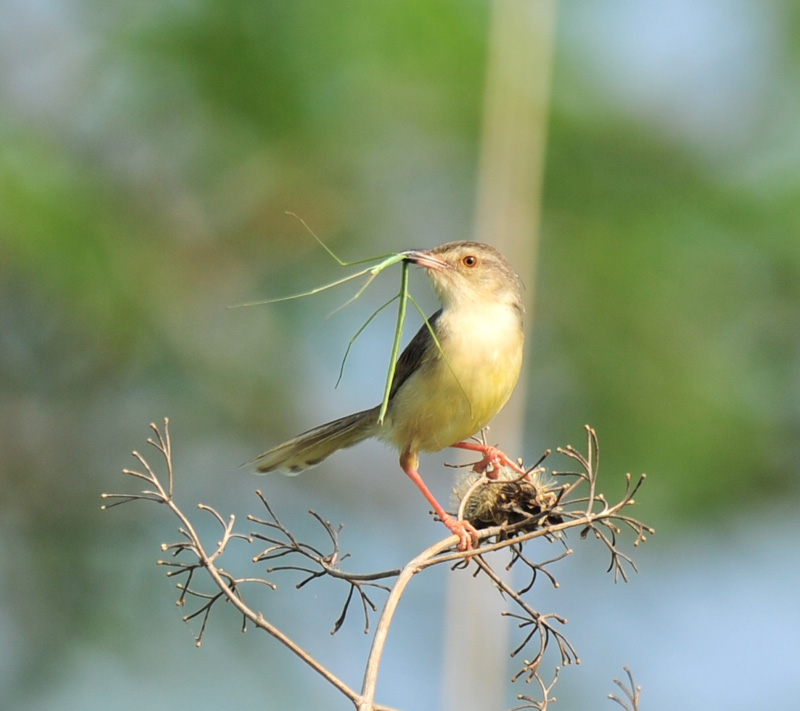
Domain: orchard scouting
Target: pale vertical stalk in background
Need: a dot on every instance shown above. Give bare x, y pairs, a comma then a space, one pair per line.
508, 213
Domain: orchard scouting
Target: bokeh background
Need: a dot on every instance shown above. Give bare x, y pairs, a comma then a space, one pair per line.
148, 154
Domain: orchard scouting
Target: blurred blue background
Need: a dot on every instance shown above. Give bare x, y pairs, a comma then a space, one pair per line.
148, 153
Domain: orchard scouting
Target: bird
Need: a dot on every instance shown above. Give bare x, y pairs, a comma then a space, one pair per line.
445, 389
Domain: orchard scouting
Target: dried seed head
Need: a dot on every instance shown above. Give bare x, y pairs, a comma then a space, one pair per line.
508, 499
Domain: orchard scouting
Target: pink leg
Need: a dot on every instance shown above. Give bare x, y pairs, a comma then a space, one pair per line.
492, 456
467, 535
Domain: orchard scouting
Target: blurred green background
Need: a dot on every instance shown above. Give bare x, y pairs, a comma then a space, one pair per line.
148, 153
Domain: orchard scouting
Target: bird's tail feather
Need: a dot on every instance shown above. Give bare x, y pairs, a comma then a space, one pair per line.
310, 448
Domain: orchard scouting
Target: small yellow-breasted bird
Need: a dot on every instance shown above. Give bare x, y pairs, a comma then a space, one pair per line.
438, 398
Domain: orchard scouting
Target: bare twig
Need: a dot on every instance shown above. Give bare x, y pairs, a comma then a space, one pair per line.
514, 509
632, 693
228, 586
544, 703
320, 565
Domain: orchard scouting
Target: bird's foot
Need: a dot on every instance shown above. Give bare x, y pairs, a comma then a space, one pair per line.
493, 459
466, 532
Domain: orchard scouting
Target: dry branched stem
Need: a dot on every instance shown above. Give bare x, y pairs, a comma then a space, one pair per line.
540, 704
317, 564
632, 692
526, 507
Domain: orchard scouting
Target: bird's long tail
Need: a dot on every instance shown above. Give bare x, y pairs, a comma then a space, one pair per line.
310, 448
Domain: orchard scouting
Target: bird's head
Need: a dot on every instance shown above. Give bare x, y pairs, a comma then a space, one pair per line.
469, 274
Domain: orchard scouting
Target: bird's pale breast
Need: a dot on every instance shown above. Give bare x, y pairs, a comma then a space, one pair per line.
450, 398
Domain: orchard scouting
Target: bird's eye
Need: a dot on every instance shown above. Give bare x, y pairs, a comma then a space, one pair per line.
470, 260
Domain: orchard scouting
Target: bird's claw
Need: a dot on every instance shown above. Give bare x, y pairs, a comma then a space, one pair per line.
493, 459
466, 532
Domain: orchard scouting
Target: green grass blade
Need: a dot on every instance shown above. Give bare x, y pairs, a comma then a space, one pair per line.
387, 261
358, 333
398, 335
324, 246
373, 272
311, 292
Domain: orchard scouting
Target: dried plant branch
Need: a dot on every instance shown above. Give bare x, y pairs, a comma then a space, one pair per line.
546, 689
319, 564
632, 693
540, 625
228, 586
509, 511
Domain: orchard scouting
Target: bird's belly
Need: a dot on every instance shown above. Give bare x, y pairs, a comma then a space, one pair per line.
449, 400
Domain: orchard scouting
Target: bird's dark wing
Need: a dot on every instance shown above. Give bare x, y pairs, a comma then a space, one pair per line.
418, 348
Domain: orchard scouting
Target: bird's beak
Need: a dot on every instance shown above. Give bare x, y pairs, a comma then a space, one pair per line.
425, 259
